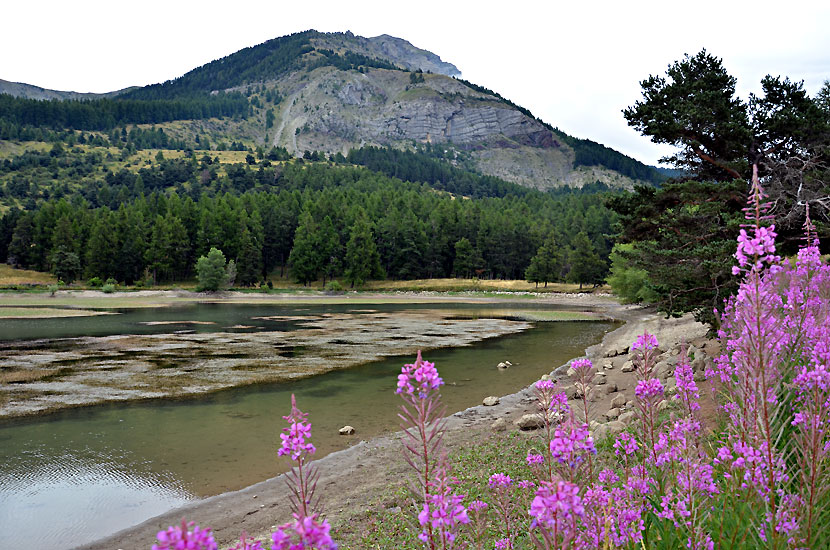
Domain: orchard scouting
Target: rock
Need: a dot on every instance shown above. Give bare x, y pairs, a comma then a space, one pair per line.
662, 405
628, 366
545, 377
594, 425
346, 430
606, 430
618, 401
499, 425
700, 377
662, 370
670, 391
503, 365
490, 401
610, 387
600, 379
629, 404
699, 364
611, 353
612, 414
530, 422
627, 417
571, 372
692, 351
608, 366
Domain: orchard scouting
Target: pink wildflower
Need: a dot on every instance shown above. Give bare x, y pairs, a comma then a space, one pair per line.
180, 538
423, 374
304, 533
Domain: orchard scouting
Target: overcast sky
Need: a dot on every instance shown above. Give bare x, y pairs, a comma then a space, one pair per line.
574, 64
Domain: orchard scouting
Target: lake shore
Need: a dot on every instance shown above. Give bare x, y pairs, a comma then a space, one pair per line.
354, 480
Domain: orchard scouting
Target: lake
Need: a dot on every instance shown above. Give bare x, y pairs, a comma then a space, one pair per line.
76, 475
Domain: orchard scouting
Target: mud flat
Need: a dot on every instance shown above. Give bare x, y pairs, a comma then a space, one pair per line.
41, 376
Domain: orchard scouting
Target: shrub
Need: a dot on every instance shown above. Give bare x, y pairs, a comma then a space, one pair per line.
108, 288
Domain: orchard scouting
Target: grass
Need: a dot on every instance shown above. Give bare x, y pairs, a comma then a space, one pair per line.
492, 285
392, 522
43, 312
11, 276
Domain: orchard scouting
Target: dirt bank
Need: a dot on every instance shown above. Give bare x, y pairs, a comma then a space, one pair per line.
355, 479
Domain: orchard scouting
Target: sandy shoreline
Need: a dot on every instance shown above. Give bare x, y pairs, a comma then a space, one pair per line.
353, 479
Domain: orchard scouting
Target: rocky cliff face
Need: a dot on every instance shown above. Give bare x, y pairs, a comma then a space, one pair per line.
331, 110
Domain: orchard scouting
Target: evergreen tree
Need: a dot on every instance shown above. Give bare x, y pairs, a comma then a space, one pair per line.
65, 264
546, 265
212, 271
330, 250
305, 256
362, 258
249, 262
102, 243
586, 265
467, 259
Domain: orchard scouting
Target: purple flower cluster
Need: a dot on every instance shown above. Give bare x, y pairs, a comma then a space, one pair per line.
295, 435
181, 537
555, 505
304, 533
644, 342
571, 443
421, 376
247, 544
649, 389
687, 391
443, 512
499, 481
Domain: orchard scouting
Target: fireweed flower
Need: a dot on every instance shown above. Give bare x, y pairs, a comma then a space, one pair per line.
649, 389
555, 505
499, 480
687, 392
503, 544
181, 538
421, 376
644, 342
570, 444
443, 512
295, 436
247, 544
304, 533
477, 506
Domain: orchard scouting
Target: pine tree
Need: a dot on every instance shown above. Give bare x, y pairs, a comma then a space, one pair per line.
212, 271
362, 258
546, 265
586, 265
305, 256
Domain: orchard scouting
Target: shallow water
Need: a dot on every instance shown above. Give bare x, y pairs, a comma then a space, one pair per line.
75, 476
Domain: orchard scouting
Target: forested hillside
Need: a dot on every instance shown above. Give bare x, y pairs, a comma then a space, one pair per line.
151, 224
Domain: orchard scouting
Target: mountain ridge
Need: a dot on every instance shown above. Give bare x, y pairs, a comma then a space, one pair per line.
334, 92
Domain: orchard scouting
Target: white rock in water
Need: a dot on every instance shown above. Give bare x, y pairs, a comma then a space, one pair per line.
346, 430
503, 365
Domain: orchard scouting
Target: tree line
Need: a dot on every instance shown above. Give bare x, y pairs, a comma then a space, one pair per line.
318, 220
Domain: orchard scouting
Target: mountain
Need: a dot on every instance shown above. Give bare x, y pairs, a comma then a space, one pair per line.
29, 91
334, 92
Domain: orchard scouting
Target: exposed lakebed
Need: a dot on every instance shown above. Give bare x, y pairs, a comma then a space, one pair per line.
75, 475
